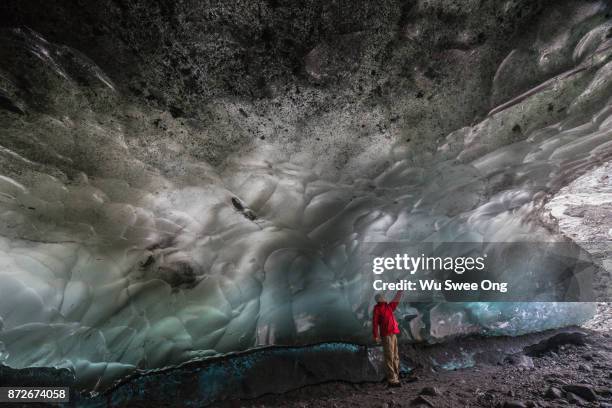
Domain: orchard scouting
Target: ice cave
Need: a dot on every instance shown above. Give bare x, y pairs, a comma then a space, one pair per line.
188, 179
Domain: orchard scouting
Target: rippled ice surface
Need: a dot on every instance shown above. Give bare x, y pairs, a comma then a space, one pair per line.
142, 266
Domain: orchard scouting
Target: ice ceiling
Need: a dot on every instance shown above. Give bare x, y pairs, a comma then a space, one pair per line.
204, 185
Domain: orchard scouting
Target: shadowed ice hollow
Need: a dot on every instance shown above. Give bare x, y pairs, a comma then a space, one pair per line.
135, 238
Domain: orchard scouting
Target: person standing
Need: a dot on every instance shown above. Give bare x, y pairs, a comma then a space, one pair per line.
386, 329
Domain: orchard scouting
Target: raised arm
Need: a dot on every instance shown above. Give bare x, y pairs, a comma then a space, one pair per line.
396, 299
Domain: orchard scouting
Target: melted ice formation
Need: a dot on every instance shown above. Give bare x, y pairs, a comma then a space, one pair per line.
119, 252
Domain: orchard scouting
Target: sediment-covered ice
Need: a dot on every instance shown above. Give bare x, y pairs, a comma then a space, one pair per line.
119, 250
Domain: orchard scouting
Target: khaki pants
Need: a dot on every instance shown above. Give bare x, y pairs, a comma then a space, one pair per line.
392, 361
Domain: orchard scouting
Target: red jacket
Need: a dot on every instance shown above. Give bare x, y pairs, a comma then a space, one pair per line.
383, 317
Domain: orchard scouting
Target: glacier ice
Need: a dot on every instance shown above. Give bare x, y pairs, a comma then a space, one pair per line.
119, 253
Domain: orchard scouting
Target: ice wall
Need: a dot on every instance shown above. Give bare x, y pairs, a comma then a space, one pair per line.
124, 245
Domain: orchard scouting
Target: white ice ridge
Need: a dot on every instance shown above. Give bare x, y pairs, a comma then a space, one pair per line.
129, 265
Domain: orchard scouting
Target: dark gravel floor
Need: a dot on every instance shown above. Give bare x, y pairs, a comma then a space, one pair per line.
560, 375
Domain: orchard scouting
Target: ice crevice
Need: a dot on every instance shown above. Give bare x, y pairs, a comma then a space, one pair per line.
119, 252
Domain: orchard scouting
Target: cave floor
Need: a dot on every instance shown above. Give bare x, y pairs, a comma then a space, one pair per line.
523, 382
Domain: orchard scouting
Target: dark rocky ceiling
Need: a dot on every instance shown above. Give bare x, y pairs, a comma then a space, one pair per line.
426, 67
